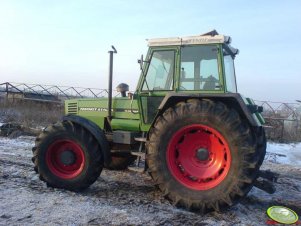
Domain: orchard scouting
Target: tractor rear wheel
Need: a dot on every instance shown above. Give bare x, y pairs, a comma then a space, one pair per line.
121, 162
203, 155
67, 156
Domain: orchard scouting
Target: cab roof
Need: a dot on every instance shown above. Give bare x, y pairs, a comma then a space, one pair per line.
207, 38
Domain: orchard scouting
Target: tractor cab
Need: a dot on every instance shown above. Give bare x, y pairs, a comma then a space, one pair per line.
201, 64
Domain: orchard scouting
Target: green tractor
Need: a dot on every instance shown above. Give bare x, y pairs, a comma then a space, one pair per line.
203, 143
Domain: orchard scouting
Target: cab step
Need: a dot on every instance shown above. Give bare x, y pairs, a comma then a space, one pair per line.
140, 139
139, 154
136, 169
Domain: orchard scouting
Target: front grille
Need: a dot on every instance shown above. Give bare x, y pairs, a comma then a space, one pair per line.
72, 108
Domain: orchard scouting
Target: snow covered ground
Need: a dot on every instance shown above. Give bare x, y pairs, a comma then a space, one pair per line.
130, 198
284, 153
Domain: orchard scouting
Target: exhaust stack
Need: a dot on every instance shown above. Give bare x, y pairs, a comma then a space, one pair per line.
111, 52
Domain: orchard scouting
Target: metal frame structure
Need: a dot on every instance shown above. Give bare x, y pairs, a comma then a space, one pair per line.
50, 93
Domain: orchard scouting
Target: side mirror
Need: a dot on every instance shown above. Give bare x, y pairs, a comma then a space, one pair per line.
140, 61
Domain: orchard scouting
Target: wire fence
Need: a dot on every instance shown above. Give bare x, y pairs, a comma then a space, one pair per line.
283, 120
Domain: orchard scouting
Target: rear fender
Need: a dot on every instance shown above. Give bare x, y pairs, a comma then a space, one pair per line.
232, 100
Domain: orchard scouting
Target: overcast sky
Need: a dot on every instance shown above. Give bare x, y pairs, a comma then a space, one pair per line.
66, 42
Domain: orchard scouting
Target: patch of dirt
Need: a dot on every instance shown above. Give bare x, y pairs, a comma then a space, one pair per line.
120, 198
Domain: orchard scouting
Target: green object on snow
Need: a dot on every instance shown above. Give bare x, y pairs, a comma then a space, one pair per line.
282, 214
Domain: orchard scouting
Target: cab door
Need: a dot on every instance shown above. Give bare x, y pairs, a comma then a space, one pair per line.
157, 81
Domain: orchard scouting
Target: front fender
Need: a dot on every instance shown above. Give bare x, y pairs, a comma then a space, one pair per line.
97, 133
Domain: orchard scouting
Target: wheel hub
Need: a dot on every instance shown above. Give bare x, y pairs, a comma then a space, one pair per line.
202, 154
67, 157
198, 156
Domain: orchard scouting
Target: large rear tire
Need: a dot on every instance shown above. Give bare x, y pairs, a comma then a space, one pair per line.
203, 155
67, 156
261, 144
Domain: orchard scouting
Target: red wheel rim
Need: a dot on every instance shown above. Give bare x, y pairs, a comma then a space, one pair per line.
198, 157
58, 166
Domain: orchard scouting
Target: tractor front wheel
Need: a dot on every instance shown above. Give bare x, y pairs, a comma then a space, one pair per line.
203, 155
67, 156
